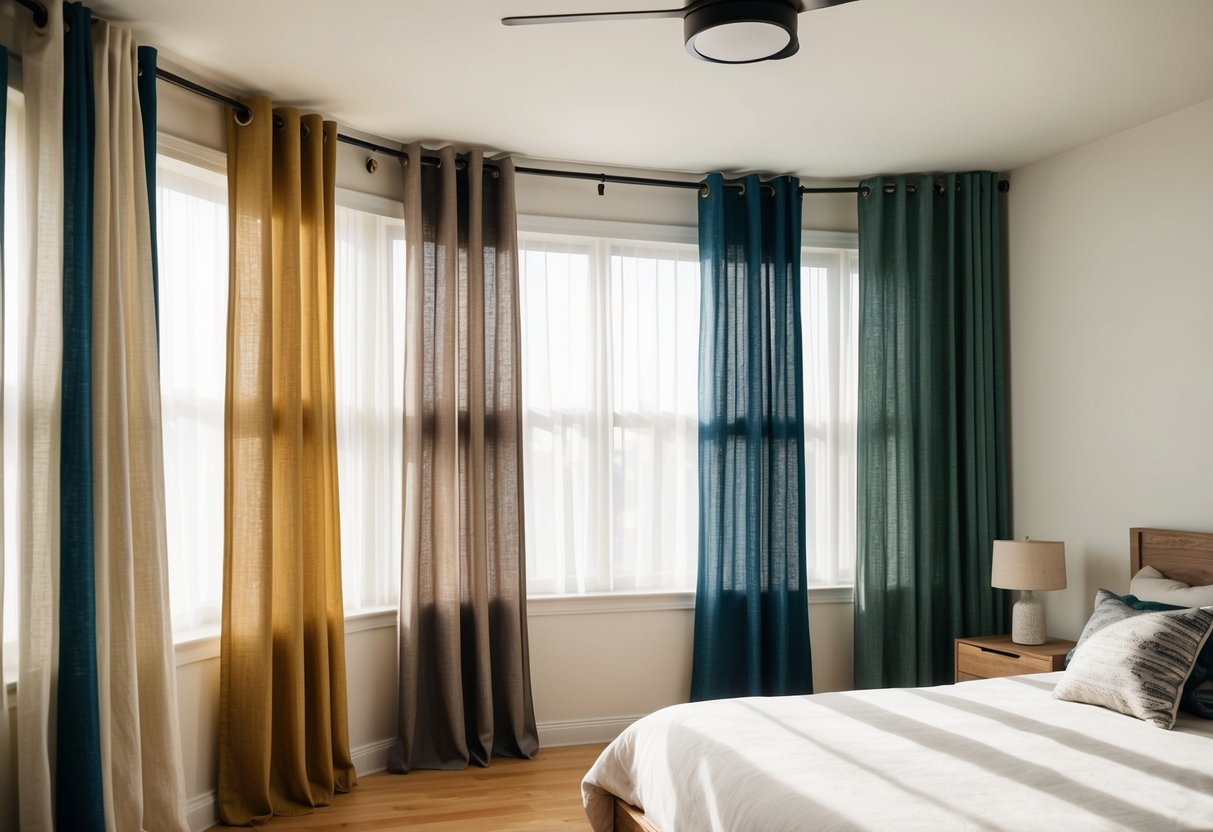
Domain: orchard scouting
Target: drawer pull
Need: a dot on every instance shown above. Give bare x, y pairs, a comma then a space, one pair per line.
1014, 656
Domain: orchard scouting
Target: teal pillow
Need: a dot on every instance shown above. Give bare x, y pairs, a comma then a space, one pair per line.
1197, 697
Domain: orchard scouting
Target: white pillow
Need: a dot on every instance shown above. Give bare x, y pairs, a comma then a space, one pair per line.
1151, 585
1138, 665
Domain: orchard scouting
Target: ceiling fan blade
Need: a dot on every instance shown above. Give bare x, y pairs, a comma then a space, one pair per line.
813, 5
529, 19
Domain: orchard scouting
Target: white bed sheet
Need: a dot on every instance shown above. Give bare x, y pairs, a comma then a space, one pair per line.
990, 754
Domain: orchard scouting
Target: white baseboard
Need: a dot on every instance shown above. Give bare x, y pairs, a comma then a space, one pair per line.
371, 757
202, 812
582, 731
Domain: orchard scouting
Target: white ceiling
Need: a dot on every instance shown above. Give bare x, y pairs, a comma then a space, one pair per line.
879, 86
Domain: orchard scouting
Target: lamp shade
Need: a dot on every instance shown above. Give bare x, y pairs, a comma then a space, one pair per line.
1029, 564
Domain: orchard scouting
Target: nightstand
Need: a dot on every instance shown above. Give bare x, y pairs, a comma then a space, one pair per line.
986, 657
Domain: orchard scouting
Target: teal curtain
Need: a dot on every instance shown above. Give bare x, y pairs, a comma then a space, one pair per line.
932, 479
751, 599
78, 786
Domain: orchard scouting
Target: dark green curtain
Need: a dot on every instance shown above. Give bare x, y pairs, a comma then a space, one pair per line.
932, 480
751, 599
78, 795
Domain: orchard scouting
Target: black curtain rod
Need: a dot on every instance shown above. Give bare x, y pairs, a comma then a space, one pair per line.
243, 113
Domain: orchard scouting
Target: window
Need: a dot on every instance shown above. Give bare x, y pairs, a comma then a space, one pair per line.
368, 334
610, 350
610, 357
192, 225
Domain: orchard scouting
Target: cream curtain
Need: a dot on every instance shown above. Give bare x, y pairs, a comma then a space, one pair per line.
40, 292
143, 781
465, 689
283, 734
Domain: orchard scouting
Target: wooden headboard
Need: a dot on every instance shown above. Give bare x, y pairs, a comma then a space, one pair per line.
1184, 556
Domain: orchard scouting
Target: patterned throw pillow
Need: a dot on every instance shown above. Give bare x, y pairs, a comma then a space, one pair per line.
1139, 664
1110, 608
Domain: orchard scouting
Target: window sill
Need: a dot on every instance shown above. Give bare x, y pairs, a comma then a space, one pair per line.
203, 644
611, 602
603, 602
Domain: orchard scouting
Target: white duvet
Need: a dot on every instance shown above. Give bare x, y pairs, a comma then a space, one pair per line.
990, 754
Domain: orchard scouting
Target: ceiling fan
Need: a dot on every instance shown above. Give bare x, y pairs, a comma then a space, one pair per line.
720, 31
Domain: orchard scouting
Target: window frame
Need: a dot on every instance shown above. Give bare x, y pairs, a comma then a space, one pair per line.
615, 230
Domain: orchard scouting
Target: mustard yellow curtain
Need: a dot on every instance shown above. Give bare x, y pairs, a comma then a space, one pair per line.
283, 732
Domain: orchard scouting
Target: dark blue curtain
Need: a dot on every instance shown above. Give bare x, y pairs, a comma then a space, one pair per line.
78, 788
147, 110
751, 600
933, 477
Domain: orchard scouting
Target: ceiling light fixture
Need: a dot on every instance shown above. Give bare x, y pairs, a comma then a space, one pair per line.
720, 31
741, 31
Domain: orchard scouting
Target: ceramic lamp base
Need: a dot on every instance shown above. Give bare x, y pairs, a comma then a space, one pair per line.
1028, 619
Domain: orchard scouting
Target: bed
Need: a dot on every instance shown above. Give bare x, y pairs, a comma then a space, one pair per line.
988, 754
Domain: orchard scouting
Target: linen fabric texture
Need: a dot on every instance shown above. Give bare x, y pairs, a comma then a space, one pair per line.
283, 728
465, 686
933, 491
751, 596
97, 705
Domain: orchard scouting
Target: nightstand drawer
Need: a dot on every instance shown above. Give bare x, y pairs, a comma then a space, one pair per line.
988, 662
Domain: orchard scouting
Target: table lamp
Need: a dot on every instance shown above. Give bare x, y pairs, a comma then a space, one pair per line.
1028, 565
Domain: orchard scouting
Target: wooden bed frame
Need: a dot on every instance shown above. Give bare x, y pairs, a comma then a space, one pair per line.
1184, 556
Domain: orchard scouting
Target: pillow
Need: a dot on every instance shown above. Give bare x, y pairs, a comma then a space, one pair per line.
1151, 585
1111, 608
1139, 664
1200, 700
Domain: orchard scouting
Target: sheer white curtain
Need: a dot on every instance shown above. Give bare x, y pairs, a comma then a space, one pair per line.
368, 344
13, 402
14, 390
610, 346
191, 220
829, 299
655, 471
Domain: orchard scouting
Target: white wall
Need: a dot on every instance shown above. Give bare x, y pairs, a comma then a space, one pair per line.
1111, 313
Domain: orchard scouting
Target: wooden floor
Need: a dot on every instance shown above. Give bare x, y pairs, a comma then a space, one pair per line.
509, 795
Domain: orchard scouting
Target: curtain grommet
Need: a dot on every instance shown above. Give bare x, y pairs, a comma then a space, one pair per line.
304, 131
865, 191
247, 118
704, 191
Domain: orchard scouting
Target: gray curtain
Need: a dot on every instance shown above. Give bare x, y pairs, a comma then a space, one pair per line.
465, 686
